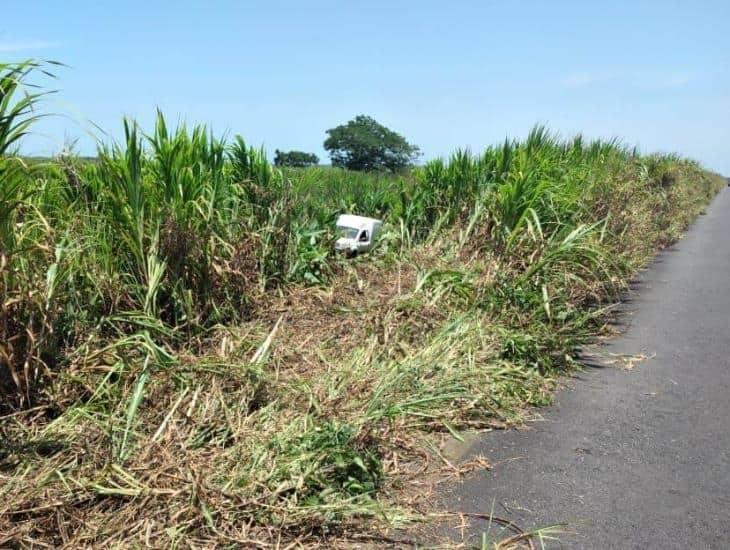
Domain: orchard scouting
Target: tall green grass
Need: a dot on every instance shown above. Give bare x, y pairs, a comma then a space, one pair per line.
187, 362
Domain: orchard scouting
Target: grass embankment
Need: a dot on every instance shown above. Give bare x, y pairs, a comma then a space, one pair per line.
185, 362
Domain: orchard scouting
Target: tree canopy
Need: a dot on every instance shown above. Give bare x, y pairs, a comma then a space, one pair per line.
365, 144
298, 159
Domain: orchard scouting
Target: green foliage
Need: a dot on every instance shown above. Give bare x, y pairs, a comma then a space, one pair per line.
442, 284
364, 144
295, 159
17, 103
30, 275
346, 463
138, 294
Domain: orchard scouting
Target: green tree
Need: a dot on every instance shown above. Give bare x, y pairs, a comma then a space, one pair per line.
298, 159
365, 144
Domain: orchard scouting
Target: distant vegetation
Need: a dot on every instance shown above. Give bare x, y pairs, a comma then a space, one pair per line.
365, 144
297, 159
184, 361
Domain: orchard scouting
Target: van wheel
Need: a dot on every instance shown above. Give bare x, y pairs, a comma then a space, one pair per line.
350, 253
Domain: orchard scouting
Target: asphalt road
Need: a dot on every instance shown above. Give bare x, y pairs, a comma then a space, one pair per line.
639, 458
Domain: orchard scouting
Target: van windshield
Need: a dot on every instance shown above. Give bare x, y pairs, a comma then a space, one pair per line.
348, 232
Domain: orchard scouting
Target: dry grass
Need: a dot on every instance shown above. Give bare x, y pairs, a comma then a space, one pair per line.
203, 423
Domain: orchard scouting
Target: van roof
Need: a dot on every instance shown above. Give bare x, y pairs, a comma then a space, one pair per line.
350, 220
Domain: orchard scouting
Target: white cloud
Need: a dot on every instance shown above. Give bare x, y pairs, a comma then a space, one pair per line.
674, 80
635, 80
12, 47
579, 80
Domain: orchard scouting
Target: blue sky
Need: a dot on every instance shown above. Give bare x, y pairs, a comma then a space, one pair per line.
444, 74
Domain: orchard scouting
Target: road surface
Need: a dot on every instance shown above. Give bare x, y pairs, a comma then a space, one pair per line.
637, 459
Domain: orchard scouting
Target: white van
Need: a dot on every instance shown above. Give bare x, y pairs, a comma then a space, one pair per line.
356, 233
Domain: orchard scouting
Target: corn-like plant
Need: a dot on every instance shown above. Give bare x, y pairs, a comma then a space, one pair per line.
29, 276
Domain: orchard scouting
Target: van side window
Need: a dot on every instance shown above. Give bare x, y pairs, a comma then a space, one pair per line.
364, 236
